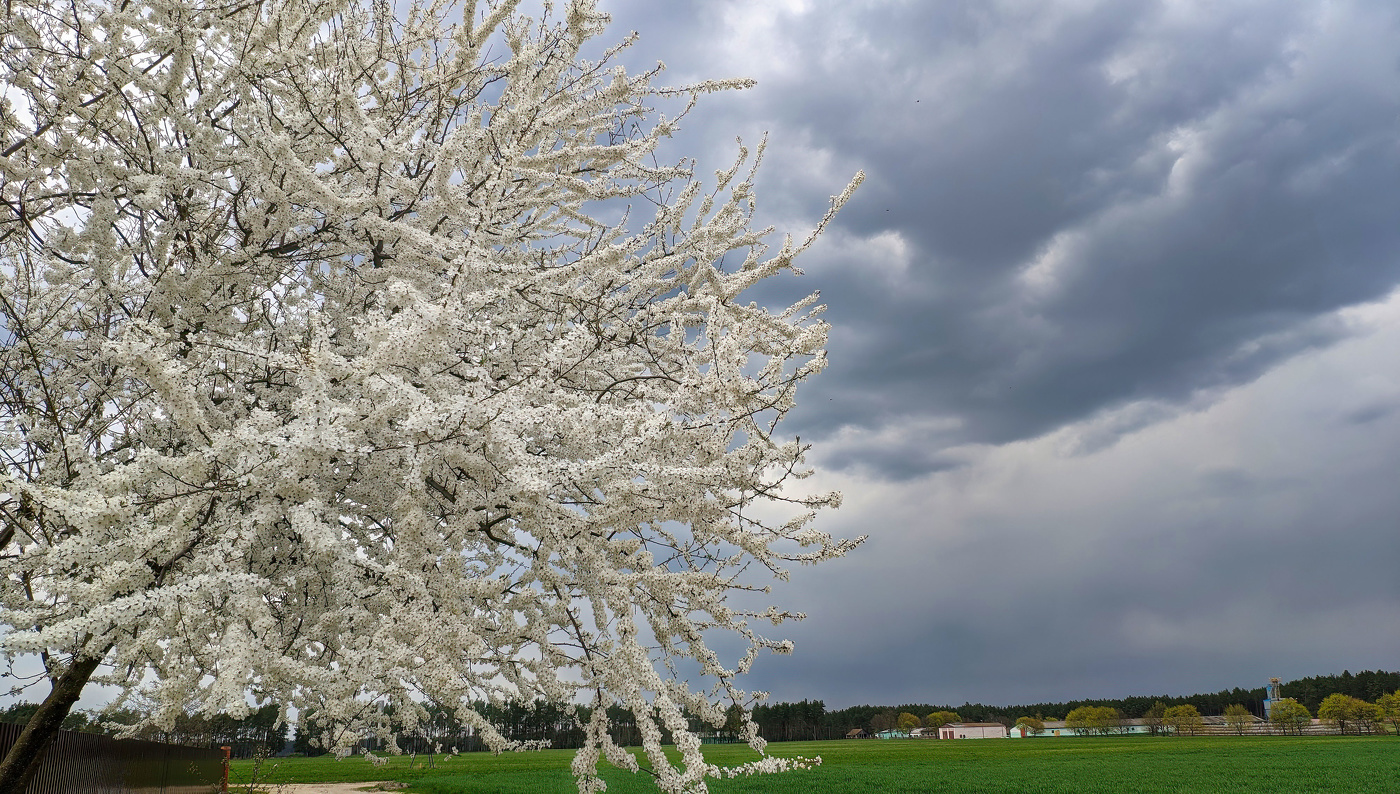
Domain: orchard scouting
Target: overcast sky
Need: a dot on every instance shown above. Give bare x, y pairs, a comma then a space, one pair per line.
1113, 370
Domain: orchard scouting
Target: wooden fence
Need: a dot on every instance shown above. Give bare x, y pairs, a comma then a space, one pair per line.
88, 763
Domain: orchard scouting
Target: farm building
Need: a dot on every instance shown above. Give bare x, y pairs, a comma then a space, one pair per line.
893, 734
1210, 726
1059, 728
972, 730
857, 733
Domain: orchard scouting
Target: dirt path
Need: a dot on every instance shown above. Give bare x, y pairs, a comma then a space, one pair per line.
327, 788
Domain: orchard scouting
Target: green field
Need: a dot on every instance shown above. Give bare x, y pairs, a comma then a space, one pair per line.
1111, 765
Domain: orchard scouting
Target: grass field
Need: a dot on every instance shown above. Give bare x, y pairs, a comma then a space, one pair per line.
1110, 765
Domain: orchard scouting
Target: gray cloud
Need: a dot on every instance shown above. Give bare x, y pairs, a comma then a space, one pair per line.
1250, 538
1098, 205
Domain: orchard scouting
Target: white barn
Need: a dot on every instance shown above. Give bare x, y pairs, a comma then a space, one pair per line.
1060, 728
972, 730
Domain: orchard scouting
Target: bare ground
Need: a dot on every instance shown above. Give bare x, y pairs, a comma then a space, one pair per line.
327, 788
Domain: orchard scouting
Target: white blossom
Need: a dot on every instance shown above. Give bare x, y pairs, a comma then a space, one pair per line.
334, 371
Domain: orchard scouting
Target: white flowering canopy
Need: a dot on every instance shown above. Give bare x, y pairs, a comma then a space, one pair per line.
333, 370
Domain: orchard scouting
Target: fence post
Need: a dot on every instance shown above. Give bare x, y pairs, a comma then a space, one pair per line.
228, 753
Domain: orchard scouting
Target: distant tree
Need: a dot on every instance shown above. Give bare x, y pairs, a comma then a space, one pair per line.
1367, 684
1238, 718
1346, 711
1336, 709
306, 740
940, 718
1099, 720
1184, 720
1373, 718
18, 713
885, 720
1032, 725
1389, 706
1108, 720
78, 721
1289, 716
733, 719
907, 721
1152, 718
790, 721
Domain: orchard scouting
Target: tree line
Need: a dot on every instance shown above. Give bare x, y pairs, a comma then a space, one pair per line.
1347, 713
540, 722
810, 720
257, 733
806, 720
1310, 692
1366, 685
1356, 703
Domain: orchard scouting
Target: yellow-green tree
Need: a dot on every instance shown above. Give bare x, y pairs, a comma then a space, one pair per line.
1289, 716
1093, 719
1033, 725
1389, 706
1238, 718
1152, 718
1184, 720
940, 718
1373, 718
907, 721
1346, 711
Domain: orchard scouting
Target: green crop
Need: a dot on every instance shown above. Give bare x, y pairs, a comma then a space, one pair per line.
1111, 765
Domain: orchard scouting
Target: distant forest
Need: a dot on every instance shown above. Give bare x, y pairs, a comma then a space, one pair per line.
810, 719
777, 722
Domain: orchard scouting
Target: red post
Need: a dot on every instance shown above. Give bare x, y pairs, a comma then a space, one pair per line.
228, 753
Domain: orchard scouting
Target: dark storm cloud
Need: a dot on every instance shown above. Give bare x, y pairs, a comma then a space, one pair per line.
1211, 550
1099, 204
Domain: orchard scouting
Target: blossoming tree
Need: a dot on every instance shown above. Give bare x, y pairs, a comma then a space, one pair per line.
354, 357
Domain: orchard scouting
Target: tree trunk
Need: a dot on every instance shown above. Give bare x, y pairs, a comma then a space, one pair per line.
22, 761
